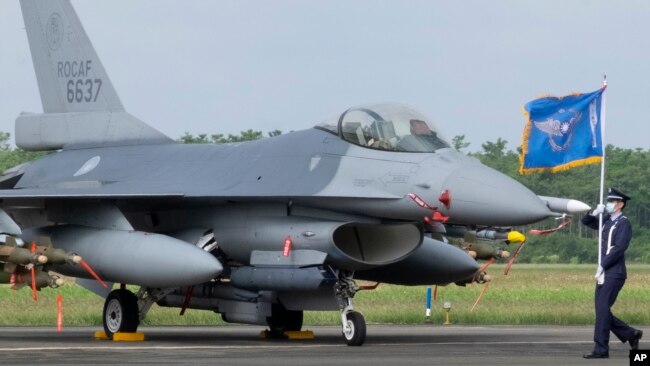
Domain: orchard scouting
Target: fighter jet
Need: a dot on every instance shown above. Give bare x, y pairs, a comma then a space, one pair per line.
258, 231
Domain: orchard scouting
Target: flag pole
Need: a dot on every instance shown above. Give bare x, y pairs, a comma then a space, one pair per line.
602, 175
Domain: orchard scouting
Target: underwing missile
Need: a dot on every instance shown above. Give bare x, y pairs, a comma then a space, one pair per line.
56, 255
564, 205
11, 253
23, 278
511, 236
486, 251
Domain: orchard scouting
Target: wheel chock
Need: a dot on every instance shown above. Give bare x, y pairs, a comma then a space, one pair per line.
299, 334
293, 335
120, 337
128, 337
101, 336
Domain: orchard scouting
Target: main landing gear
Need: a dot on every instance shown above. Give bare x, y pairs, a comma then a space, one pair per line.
123, 310
354, 325
283, 320
120, 312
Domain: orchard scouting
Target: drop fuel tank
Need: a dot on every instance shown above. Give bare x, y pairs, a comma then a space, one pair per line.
131, 257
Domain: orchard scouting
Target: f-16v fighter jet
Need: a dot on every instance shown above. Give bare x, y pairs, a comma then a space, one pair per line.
257, 231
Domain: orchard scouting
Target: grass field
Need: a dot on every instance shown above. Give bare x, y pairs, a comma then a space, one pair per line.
531, 294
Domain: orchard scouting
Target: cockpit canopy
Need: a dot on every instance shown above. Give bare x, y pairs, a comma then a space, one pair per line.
387, 126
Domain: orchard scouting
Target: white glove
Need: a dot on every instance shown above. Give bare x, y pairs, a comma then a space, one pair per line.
600, 208
599, 272
600, 275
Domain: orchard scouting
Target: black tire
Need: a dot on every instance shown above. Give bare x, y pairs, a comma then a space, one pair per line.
120, 313
282, 320
357, 334
294, 320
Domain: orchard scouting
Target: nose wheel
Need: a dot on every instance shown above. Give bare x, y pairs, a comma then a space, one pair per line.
354, 328
353, 323
120, 312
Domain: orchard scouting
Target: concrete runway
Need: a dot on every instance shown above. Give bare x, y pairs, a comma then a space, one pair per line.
241, 345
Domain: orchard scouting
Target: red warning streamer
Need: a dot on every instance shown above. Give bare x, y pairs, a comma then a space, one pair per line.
549, 231
420, 202
13, 278
445, 198
59, 313
188, 297
92, 273
33, 270
435, 217
480, 296
513, 258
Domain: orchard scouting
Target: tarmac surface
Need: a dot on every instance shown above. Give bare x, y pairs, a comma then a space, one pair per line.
241, 345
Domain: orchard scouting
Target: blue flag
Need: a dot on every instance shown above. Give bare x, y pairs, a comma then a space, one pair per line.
561, 133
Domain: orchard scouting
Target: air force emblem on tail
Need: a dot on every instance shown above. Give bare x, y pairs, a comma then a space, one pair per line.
639, 357
54, 29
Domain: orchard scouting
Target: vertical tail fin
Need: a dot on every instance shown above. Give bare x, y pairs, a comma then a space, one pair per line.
80, 104
70, 76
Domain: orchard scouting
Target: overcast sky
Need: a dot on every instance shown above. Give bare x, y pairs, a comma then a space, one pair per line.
224, 66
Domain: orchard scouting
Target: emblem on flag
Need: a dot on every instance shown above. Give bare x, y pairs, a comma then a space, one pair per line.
562, 132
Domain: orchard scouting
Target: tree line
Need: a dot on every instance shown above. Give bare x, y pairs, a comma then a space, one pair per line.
626, 169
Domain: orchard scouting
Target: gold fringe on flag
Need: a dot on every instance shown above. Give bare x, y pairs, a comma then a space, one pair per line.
555, 169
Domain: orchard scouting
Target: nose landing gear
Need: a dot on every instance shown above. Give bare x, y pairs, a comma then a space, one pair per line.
354, 326
353, 323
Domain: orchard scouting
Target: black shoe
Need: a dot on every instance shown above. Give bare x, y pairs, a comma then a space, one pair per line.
634, 341
596, 355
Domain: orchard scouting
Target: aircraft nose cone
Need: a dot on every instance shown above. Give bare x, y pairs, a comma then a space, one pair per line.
484, 196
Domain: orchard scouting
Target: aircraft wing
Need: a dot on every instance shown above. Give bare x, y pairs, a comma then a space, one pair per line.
28, 193
98, 193
122, 191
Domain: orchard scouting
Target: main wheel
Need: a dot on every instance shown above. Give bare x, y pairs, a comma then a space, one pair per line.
357, 329
282, 320
294, 320
120, 312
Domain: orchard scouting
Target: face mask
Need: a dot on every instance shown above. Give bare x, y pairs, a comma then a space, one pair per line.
609, 207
